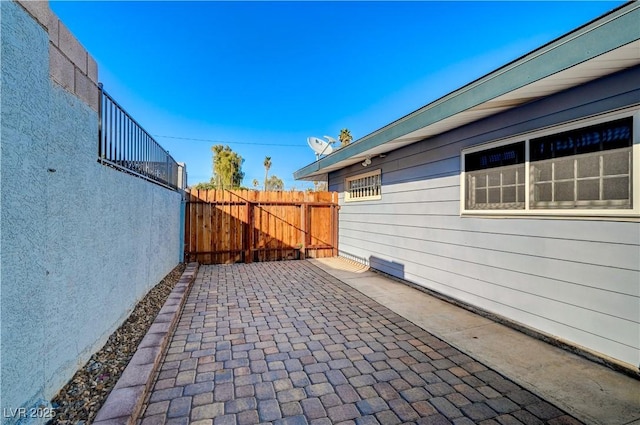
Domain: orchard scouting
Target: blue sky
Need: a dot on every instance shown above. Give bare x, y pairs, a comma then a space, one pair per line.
263, 76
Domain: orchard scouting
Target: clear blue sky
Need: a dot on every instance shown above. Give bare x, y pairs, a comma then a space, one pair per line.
263, 76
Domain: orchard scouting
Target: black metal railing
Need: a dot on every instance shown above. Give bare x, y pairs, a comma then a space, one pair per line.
125, 145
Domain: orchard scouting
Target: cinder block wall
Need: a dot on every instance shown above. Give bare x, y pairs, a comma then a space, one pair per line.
70, 65
80, 243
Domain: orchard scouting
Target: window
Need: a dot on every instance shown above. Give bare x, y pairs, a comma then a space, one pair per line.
363, 187
495, 178
584, 169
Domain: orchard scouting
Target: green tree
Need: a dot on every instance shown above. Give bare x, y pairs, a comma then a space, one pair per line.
205, 186
267, 165
227, 168
345, 137
274, 183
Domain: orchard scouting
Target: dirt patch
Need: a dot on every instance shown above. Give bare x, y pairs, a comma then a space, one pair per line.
78, 402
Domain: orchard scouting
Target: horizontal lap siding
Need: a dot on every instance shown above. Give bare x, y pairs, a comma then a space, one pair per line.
532, 249
578, 280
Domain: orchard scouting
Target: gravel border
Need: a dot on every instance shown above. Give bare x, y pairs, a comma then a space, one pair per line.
125, 402
79, 401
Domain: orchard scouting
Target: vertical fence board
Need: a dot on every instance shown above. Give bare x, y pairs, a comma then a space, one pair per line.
226, 223
278, 223
215, 226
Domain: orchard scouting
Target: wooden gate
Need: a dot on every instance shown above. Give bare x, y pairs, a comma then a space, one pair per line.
231, 226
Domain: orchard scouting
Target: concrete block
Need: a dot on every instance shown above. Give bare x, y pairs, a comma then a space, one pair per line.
122, 402
159, 327
165, 317
52, 27
92, 69
72, 48
39, 10
61, 68
86, 89
94, 97
81, 84
135, 375
151, 340
169, 309
148, 355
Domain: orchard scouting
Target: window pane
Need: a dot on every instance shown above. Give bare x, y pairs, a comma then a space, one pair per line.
494, 195
509, 194
487, 188
595, 138
588, 190
520, 193
563, 191
500, 156
616, 188
541, 172
509, 176
481, 196
563, 169
589, 166
542, 192
616, 163
494, 178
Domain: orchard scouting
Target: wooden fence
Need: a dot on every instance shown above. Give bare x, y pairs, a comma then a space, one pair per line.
230, 226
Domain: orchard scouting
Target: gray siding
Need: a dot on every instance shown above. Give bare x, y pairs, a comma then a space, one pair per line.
576, 280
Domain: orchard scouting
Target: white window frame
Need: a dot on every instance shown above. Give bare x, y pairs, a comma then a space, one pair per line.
348, 197
613, 213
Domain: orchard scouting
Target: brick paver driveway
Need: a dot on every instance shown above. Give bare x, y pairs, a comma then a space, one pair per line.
286, 343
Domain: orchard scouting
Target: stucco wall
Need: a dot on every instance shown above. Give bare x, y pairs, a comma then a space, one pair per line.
573, 279
80, 243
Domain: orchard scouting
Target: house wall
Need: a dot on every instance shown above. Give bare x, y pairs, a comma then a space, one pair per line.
576, 280
80, 243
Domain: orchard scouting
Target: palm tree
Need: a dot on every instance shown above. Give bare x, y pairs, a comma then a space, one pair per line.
345, 137
267, 165
255, 183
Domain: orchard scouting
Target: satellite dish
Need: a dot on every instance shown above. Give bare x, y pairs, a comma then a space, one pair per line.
330, 139
319, 146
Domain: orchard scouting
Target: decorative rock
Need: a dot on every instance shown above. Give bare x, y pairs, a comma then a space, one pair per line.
78, 402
